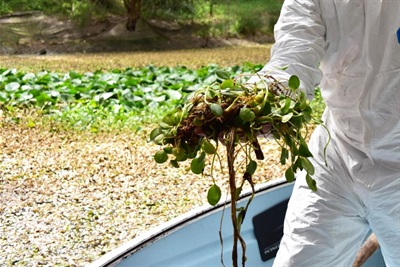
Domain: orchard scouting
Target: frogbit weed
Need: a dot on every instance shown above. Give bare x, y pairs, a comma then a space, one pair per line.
236, 114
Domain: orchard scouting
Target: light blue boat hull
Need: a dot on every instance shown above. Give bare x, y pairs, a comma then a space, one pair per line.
192, 239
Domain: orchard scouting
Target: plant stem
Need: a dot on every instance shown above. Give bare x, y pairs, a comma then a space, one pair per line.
230, 149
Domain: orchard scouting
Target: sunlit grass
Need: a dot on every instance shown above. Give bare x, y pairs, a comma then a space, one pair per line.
191, 58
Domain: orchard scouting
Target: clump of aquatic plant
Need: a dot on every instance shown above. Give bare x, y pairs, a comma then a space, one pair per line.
236, 115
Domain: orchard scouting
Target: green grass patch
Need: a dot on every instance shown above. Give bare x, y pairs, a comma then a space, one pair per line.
235, 17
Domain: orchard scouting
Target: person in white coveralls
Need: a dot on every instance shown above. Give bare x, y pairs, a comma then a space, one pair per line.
349, 48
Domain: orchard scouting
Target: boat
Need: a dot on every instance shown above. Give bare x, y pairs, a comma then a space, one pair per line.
193, 239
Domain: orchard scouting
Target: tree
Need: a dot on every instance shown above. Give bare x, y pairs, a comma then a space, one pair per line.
158, 9
134, 8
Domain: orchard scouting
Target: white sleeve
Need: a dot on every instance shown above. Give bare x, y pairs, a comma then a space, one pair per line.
299, 44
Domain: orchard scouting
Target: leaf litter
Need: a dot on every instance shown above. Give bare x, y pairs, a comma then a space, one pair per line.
68, 197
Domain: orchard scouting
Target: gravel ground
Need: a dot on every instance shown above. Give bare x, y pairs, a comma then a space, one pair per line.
67, 198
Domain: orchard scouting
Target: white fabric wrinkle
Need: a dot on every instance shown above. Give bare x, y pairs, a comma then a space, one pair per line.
356, 43
297, 38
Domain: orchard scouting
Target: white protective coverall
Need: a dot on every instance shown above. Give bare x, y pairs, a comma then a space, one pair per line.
349, 48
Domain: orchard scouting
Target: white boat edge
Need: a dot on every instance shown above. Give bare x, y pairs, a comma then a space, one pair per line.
181, 220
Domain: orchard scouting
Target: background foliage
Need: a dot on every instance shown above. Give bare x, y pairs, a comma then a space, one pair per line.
215, 17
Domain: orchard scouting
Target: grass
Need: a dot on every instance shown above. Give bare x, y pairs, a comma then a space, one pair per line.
191, 58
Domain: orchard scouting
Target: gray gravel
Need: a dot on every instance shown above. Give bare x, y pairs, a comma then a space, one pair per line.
67, 198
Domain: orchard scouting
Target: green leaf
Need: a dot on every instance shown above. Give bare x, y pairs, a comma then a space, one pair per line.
159, 139
266, 109
307, 110
307, 165
210, 94
304, 104
179, 153
174, 163
241, 216
25, 96
246, 114
74, 75
289, 174
284, 156
294, 82
12, 87
297, 122
43, 98
285, 105
216, 110
9, 72
28, 76
177, 117
227, 84
161, 156
154, 133
251, 167
197, 166
288, 139
214, 195
3, 97
297, 165
287, 117
303, 149
106, 96
307, 117
173, 94
189, 77
202, 156
222, 74
169, 119
168, 149
53, 93
208, 147
210, 79
197, 121
312, 184
164, 125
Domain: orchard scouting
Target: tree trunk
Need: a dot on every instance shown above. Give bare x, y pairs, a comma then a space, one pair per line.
133, 7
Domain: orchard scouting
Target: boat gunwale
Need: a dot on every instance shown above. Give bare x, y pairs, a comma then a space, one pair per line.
122, 252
